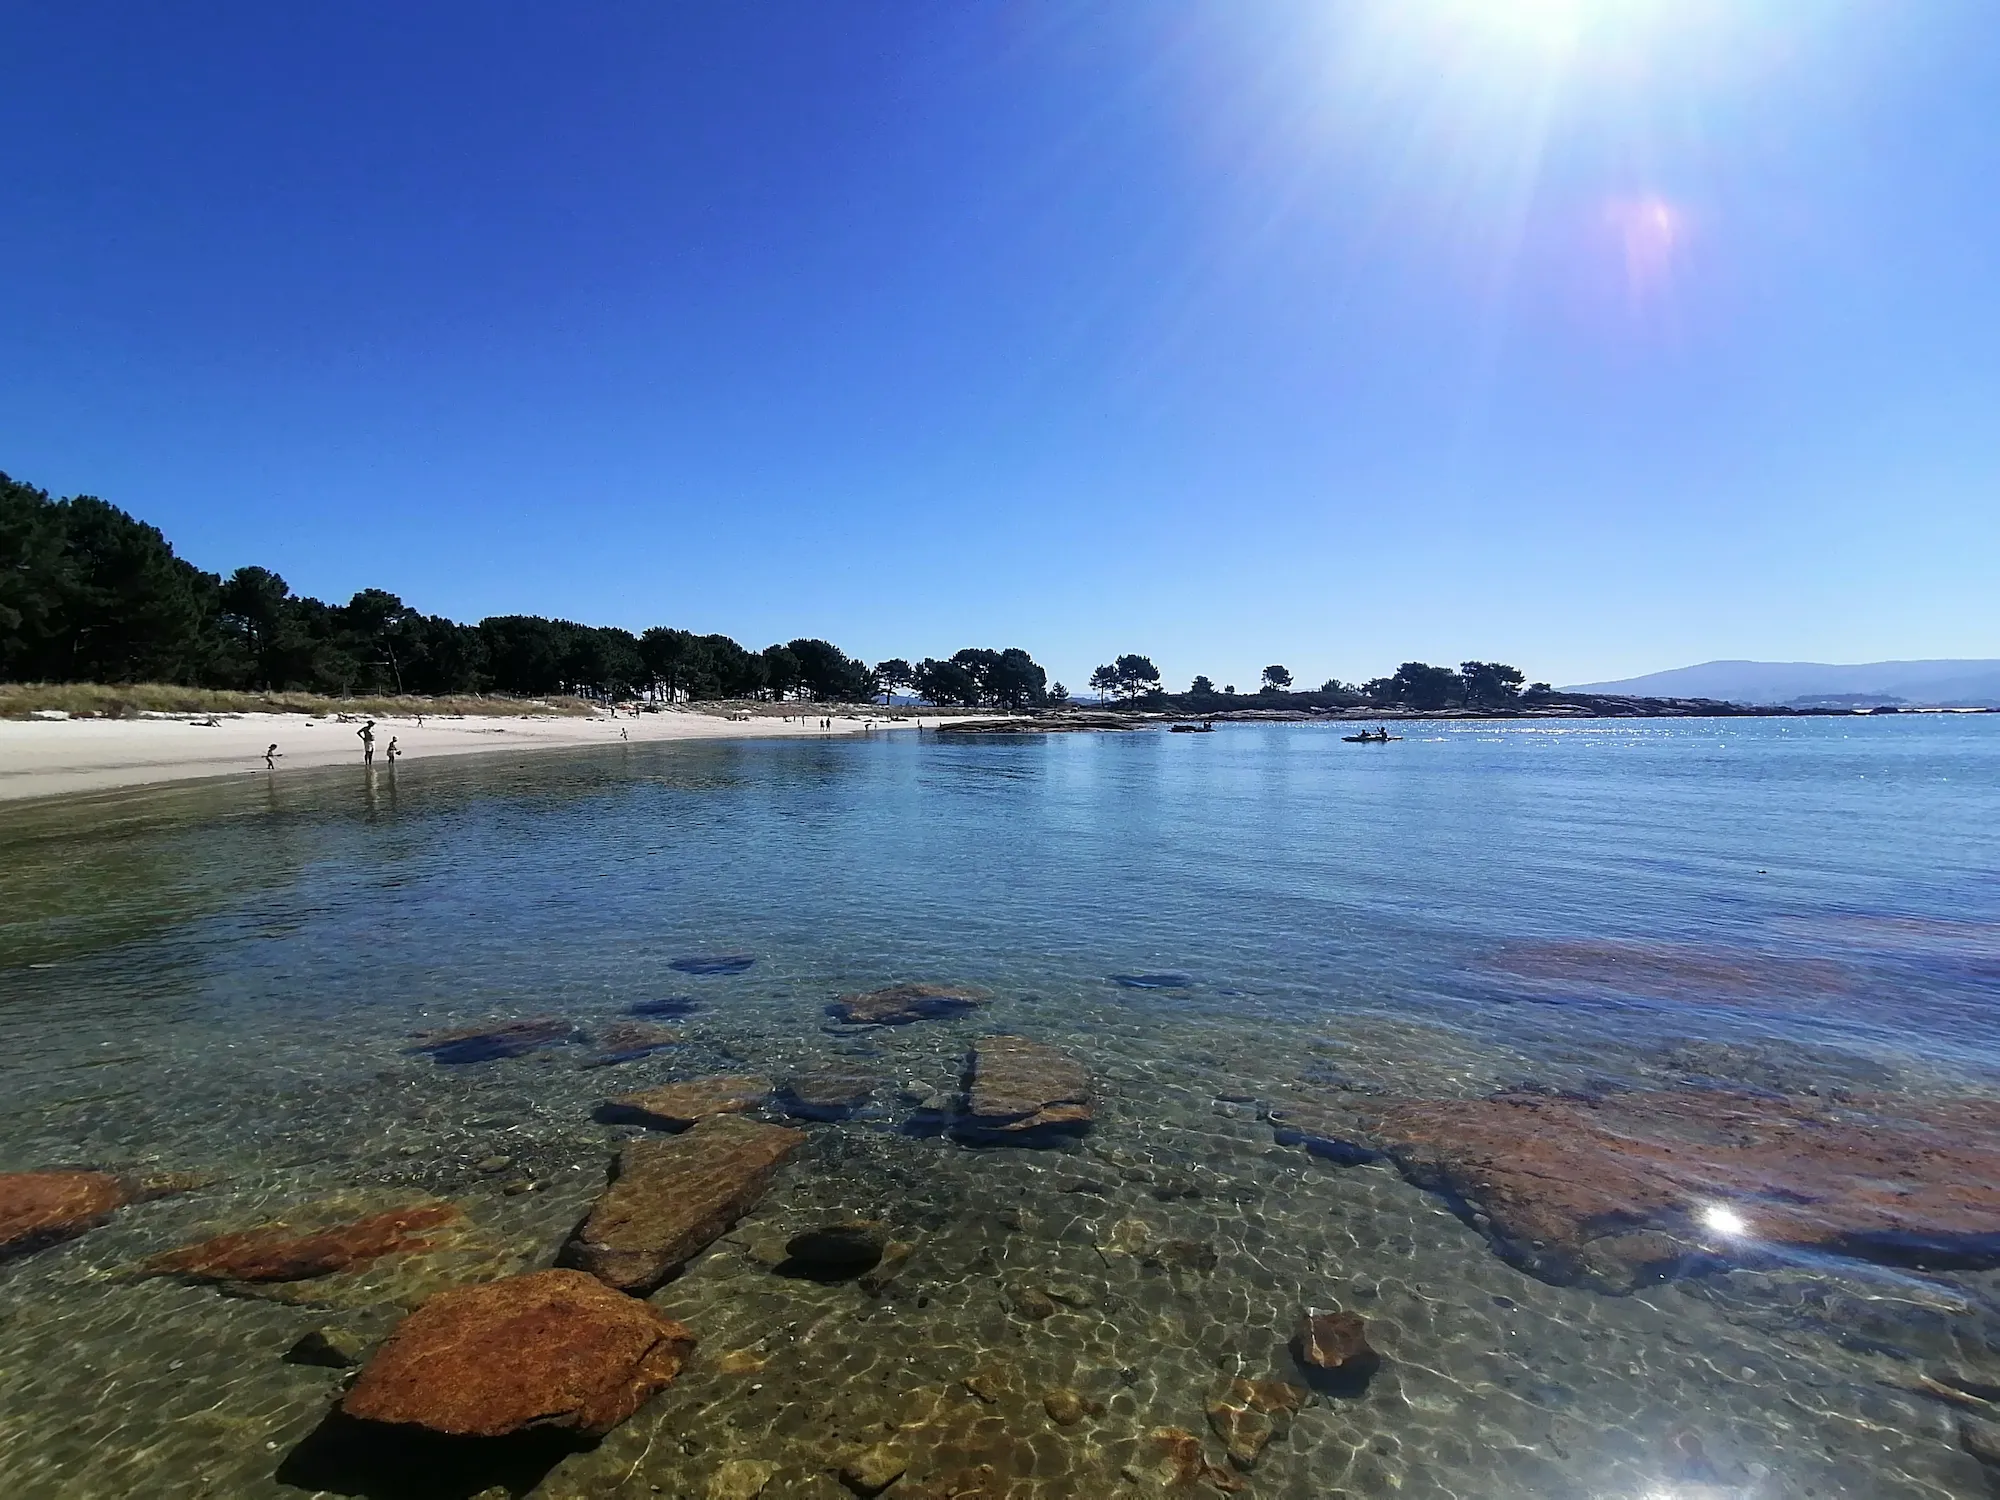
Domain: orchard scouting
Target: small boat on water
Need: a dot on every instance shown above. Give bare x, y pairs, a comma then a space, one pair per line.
1379, 737
1194, 729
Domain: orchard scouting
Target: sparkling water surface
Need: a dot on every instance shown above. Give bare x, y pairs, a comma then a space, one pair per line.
224, 979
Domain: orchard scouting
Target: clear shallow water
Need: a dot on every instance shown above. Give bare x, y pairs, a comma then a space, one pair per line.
224, 979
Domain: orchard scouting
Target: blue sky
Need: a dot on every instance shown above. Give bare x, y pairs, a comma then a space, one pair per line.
1598, 336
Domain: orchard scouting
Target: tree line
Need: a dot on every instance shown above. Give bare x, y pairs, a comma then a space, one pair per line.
89, 593
1415, 685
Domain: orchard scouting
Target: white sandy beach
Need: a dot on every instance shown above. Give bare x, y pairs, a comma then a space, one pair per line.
49, 757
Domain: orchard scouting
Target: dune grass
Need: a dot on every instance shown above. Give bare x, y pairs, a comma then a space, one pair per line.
20, 700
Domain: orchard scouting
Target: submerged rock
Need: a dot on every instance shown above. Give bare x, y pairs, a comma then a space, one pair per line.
873, 1470
669, 1005
675, 1106
1066, 1407
1616, 1190
827, 1095
548, 1349
672, 1197
714, 963
495, 1039
1023, 1093
1247, 1414
900, 1004
1153, 981
837, 1250
1176, 1460
333, 1347
626, 1041
282, 1252
38, 1209
740, 1479
1333, 1349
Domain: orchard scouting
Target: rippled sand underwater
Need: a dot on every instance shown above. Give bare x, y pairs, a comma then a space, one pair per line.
230, 984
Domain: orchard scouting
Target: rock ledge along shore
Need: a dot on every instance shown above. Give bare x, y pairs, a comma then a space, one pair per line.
1619, 1190
1023, 1093
671, 1197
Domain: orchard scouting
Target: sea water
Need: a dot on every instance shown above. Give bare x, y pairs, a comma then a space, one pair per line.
225, 979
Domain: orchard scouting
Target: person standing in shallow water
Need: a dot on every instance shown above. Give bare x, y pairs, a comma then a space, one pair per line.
393, 752
366, 734
271, 756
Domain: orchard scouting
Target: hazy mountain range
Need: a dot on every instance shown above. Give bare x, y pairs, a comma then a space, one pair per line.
1810, 684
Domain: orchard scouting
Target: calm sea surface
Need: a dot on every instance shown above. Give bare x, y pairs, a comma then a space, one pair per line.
224, 979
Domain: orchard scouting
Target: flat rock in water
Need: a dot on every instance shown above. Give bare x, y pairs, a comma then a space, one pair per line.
1153, 981
673, 1196
1023, 1093
627, 1041
827, 1095
671, 1005
551, 1349
675, 1106
281, 1252
1617, 1191
495, 1039
900, 1004
714, 963
40, 1208
43, 1208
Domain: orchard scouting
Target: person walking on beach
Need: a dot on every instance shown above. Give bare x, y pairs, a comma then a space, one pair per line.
271, 756
366, 734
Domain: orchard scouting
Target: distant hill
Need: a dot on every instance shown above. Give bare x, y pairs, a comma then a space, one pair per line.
1811, 684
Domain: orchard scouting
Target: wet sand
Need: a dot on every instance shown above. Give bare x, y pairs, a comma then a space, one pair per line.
46, 758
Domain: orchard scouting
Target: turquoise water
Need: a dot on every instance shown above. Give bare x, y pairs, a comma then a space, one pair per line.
224, 979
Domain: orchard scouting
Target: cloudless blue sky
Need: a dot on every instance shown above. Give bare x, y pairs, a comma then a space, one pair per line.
1599, 336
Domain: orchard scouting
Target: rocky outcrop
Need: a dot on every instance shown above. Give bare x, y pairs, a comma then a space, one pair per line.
672, 1197
1247, 1414
44, 1208
900, 1004
281, 1252
675, 1106
1022, 1093
548, 1349
495, 1039
1616, 1190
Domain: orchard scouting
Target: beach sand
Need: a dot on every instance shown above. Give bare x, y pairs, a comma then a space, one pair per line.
50, 757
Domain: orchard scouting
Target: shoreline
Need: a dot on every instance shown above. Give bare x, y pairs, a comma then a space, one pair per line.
42, 758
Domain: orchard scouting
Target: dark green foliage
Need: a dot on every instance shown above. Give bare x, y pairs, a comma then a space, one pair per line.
829, 675
979, 678
1277, 679
1201, 687
892, 676
87, 593
1489, 684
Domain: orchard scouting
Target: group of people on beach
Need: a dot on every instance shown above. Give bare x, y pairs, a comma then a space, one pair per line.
366, 734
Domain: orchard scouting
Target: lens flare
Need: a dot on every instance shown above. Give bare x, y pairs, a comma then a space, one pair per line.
1725, 1221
